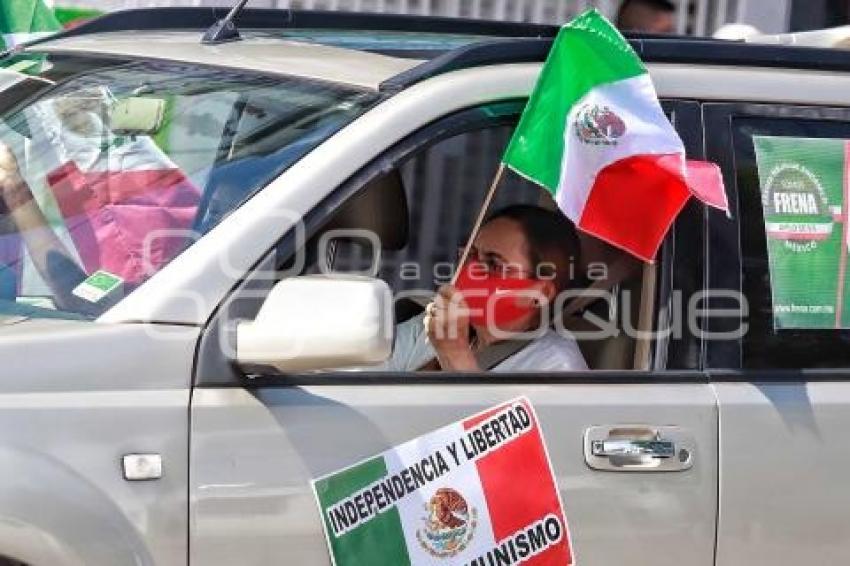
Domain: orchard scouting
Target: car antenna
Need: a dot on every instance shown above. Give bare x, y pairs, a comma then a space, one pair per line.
224, 30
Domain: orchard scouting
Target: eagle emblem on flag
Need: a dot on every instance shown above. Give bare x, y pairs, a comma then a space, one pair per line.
598, 125
450, 524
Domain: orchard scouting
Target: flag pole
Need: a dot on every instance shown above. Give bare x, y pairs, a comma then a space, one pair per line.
482, 213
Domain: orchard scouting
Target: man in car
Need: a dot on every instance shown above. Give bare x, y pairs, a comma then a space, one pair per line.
647, 16
519, 263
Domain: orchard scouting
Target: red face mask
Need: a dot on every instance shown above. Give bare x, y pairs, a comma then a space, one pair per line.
493, 299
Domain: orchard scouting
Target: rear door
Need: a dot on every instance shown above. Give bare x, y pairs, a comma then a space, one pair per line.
258, 441
783, 390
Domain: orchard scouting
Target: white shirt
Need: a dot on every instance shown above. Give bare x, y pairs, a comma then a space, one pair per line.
550, 352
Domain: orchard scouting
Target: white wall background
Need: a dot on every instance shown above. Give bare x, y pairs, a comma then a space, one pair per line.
699, 17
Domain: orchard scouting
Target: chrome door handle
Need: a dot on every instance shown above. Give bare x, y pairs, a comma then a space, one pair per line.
639, 448
652, 448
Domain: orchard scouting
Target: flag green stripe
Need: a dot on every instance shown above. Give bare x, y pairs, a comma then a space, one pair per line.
380, 542
66, 15
588, 52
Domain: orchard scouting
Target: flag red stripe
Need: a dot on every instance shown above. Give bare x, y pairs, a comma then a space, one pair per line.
779, 234
128, 222
634, 202
520, 489
706, 183
78, 192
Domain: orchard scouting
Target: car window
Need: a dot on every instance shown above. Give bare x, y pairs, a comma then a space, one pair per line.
792, 187
417, 201
114, 167
444, 185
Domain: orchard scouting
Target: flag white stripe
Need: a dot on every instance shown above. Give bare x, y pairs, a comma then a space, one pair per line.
413, 509
13, 39
648, 132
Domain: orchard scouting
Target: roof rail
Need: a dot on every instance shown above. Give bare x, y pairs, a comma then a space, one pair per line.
837, 37
200, 19
651, 49
474, 55
738, 53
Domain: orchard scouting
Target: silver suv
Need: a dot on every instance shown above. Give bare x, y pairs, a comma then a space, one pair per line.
202, 207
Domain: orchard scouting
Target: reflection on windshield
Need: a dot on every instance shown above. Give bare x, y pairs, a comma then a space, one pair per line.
111, 172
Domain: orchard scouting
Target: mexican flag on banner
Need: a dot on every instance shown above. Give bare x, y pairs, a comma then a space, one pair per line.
477, 492
594, 135
26, 20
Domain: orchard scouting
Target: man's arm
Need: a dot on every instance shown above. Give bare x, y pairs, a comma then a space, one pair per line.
51, 258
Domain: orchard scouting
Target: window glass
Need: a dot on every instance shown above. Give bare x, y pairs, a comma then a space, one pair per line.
792, 186
113, 168
444, 185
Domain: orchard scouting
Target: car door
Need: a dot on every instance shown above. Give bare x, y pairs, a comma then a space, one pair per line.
259, 440
782, 386
94, 442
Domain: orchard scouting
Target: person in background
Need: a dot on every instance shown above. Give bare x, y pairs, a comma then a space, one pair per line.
647, 16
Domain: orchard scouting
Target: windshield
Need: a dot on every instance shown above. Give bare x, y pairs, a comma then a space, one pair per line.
111, 168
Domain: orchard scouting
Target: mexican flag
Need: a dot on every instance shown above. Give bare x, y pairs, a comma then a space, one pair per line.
118, 203
26, 20
594, 135
477, 492
126, 206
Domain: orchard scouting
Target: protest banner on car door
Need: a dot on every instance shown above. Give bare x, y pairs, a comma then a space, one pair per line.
471, 493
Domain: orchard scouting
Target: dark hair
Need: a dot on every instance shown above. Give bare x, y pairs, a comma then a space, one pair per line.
550, 236
659, 5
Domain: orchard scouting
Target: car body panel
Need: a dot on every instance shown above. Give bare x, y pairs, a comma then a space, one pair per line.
254, 452
74, 398
784, 459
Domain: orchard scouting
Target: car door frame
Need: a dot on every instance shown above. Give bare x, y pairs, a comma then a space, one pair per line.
669, 351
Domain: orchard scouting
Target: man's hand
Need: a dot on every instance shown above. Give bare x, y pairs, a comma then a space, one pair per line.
13, 189
447, 325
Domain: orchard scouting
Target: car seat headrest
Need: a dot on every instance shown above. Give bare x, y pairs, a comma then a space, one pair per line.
379, 207
605, 267
618, 264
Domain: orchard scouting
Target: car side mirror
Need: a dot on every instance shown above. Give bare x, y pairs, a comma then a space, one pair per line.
318, 322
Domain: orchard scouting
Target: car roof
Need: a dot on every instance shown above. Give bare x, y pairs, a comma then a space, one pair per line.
386, 51
312, 60
362, 50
